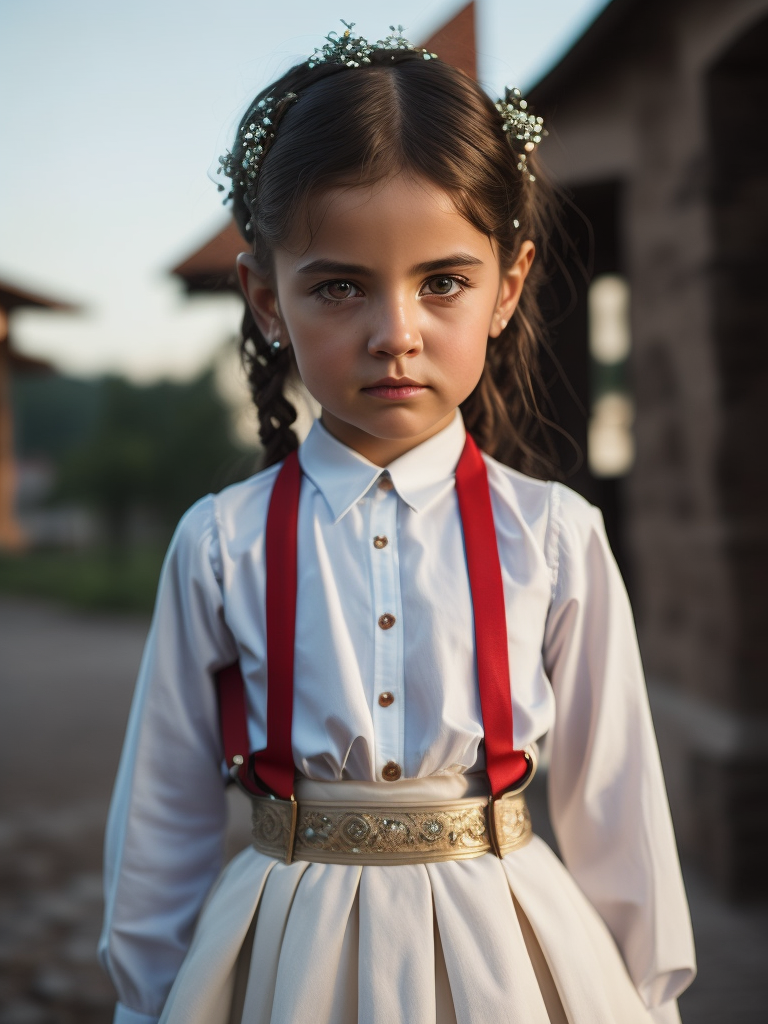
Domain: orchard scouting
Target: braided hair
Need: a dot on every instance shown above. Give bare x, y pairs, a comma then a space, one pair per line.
357, 127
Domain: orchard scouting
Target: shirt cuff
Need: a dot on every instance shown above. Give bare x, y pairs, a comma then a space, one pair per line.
123, 1015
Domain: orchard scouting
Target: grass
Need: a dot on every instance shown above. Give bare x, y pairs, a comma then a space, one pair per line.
93, 578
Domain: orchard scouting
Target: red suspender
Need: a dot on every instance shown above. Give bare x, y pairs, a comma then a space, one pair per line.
233, 717
503, 763
274, 765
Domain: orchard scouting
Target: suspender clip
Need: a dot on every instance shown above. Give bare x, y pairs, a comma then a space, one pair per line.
531, 762
509, 821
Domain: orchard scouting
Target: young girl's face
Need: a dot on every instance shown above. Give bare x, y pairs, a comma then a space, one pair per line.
388, 299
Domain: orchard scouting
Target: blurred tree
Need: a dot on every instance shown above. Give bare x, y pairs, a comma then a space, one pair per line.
52, 414
156, 448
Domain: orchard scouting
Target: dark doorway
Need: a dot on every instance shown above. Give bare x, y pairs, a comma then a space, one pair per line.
592, 223
737, 98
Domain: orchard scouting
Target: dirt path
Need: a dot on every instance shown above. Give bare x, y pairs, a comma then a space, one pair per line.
66, 679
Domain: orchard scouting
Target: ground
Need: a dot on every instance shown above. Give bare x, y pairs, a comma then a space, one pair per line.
67, 678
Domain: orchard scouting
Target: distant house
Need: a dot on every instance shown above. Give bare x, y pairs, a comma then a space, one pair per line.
13, 298
656, 119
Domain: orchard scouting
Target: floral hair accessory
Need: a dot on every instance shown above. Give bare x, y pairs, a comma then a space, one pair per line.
352, 51
256, 132
257, 129
521, 126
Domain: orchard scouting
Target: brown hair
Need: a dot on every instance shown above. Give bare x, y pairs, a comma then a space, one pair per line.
357, 126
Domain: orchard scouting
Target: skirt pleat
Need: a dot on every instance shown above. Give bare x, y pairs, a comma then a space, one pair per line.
205, 985
491, 975
397, 935
512, 941
576, 942
269, 929
317, 973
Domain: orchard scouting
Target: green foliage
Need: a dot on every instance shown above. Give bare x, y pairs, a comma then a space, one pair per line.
157, 448
119, 448
53, 414
94, 579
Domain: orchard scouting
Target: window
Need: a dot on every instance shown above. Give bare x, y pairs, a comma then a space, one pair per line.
610, 441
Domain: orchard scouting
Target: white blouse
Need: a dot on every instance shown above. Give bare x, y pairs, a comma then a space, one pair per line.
574, 665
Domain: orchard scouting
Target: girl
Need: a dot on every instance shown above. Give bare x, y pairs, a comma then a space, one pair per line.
391, 620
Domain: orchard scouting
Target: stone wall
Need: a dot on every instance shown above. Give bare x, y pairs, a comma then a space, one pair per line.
671, 107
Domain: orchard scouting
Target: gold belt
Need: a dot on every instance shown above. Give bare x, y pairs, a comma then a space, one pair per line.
346, 833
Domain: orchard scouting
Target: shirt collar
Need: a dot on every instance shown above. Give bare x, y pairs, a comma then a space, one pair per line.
343, 476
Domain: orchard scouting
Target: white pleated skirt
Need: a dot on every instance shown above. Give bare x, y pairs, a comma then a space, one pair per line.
512, 941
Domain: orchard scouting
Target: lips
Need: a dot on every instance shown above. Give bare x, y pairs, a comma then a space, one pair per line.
395, 388
395, 382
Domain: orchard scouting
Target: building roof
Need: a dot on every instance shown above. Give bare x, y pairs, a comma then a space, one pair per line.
455, 41
591, 45
212, 268
12, 297
27, 364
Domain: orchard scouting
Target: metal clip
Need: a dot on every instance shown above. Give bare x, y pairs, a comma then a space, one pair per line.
506, 835
531, 763
493, 832
294, 816
274, 826
234, 773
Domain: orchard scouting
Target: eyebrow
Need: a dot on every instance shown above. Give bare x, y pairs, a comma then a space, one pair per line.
456, 259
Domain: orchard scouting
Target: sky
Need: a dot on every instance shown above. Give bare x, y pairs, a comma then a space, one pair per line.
113, 115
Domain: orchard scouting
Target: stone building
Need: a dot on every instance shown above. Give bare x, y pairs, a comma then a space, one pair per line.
656, 135
657, 130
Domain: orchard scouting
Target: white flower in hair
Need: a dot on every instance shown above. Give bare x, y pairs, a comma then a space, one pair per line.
521, 126
347, 50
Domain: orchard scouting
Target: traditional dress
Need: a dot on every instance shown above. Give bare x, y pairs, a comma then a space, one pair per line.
518, 938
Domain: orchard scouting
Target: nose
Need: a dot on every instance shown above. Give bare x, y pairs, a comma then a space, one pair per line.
395, 330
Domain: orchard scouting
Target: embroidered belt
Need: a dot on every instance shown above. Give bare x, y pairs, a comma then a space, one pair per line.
346, 833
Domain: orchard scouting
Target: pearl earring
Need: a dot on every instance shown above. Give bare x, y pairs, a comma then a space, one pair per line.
274, 337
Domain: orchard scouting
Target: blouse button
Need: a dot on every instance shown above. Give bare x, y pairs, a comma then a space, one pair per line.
385, 484
386, 621
391, 771
380, 542
386, 698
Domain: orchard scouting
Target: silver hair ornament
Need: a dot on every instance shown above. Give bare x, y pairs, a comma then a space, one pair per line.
256, 132
257, 129
521, 126
352, 51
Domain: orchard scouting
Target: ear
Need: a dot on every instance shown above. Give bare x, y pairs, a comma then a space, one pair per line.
511, 288
260, 295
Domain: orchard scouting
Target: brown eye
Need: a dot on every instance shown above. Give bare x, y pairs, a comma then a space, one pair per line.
442, 285
446, 287
338, 290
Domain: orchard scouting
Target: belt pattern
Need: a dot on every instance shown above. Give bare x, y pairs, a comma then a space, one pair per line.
346, 834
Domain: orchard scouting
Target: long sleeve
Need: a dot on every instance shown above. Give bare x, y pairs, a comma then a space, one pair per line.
166, 822
607, 797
